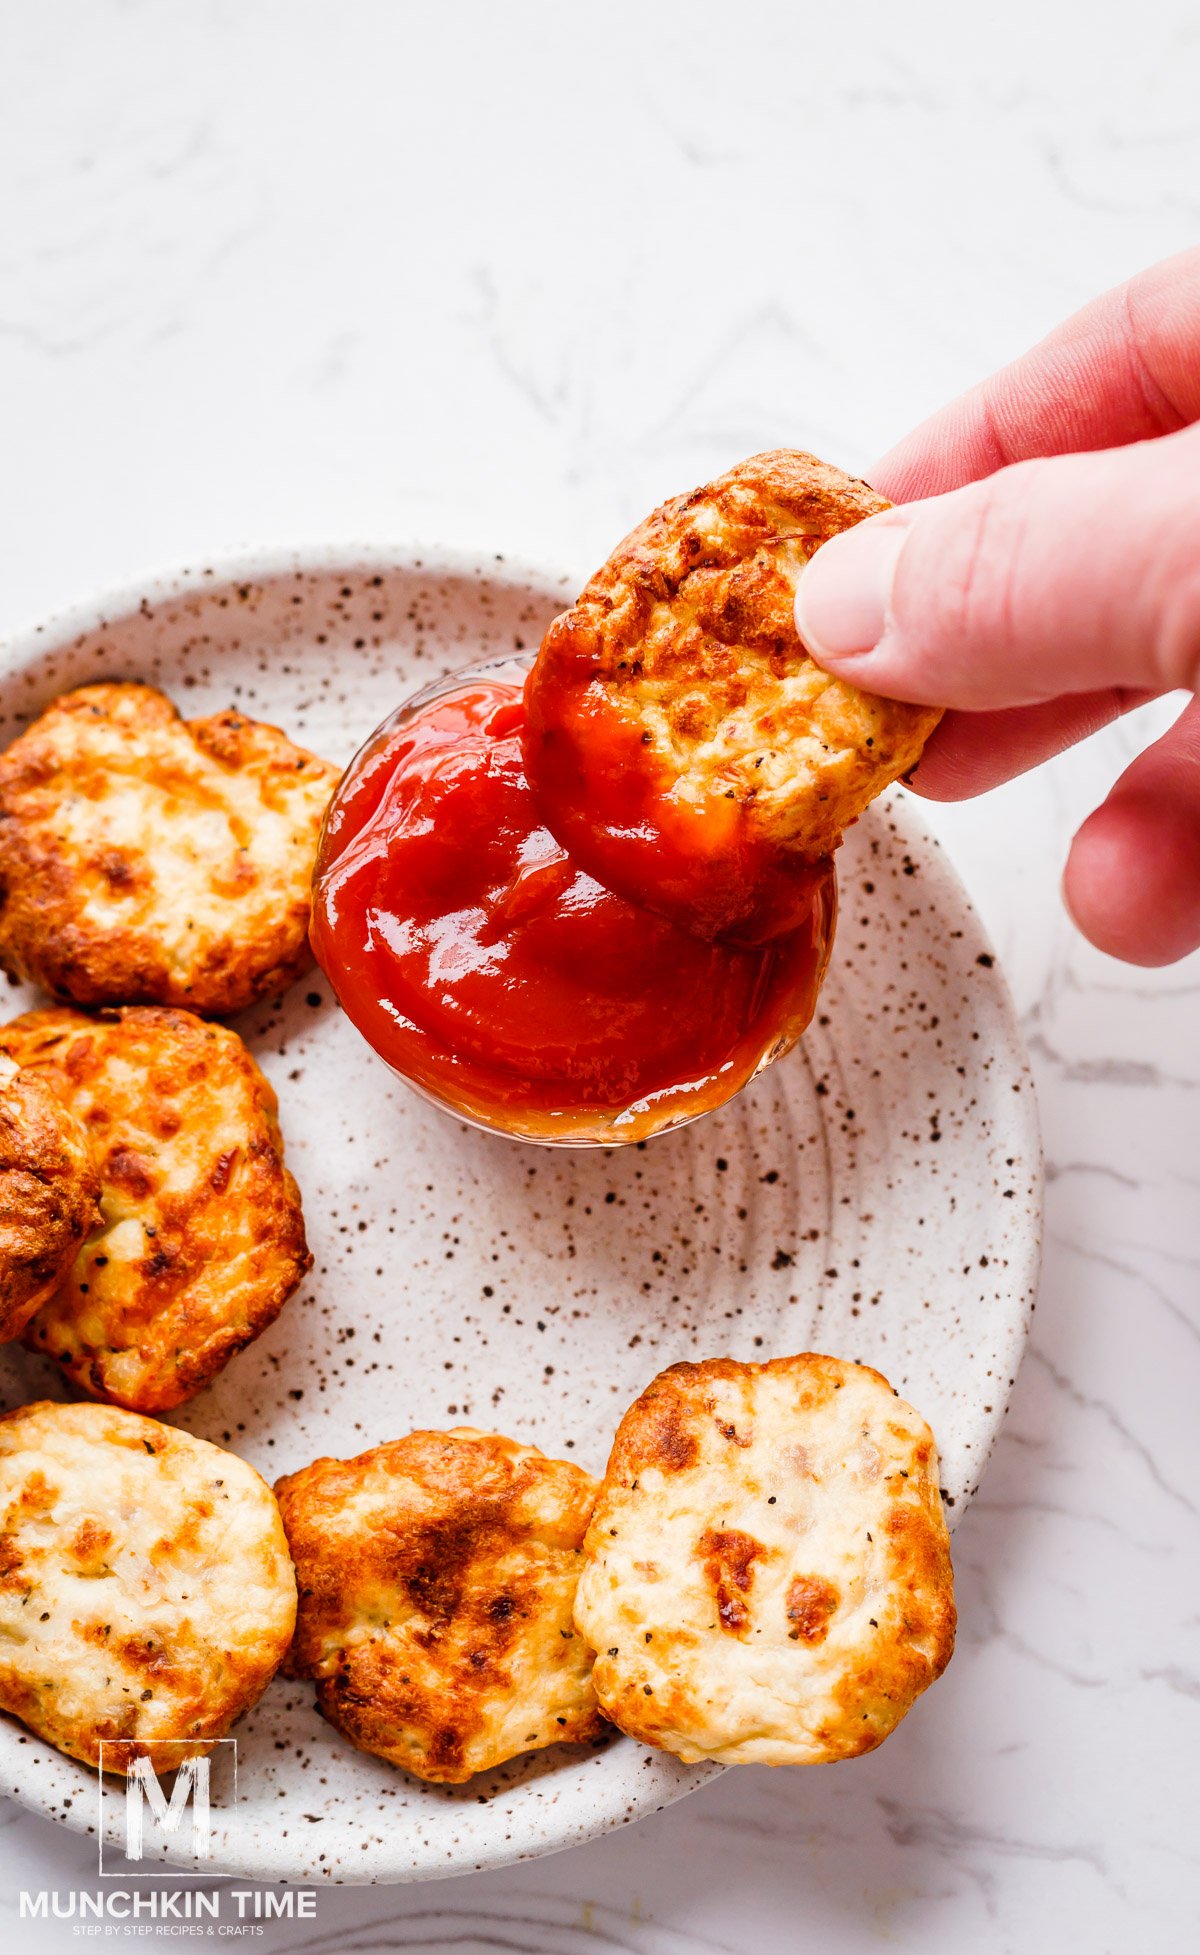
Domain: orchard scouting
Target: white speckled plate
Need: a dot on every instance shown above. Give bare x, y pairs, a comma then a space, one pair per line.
876, 1195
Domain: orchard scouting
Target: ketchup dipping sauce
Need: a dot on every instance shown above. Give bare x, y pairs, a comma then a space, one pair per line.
495, 976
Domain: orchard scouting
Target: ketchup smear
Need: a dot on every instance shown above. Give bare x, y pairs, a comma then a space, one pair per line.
487, 968
611, 800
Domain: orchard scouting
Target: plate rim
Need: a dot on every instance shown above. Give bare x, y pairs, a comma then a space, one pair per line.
260, 564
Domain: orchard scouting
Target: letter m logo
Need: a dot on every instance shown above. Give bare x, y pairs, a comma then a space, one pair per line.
143, 1788
152, 1815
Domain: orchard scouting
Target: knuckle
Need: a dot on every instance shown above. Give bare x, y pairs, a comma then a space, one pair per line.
973, 562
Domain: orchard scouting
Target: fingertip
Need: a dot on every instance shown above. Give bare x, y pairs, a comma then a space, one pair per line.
843, 596
948, 769
1132, 880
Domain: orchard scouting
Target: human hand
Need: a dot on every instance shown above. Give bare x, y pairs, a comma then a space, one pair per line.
1056, 591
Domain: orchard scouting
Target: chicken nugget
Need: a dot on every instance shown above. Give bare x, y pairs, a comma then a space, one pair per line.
200, 1238
146, 1593
436, 1580
48, 1192
683, 745
146, 859
767, 1576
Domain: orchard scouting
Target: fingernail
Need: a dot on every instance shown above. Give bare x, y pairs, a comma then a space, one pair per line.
843, 598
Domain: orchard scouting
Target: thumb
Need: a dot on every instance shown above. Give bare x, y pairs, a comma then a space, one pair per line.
1055, 576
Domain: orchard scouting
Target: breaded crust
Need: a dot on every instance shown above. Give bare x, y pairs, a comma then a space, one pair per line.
145, 1587
145, 859
200, 1239
48, 1193
681, 658
767, 1574
436, 1580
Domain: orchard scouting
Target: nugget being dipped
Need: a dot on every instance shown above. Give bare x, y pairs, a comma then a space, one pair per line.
147, 859
48, 1191
199, 1241
436, 1576
680, 741
767, 1574
146, 1594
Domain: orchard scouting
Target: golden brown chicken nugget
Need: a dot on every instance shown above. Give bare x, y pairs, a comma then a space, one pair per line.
146, 859
684, 746
767, 1574
48, 1191
146, 1592
436, 1580
200, 1239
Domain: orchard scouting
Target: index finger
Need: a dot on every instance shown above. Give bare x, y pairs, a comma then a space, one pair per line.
1125, 368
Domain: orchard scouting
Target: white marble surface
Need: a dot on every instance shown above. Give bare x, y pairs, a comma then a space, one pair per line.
276, 272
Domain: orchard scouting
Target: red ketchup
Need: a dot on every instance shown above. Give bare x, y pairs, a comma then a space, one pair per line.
488, 969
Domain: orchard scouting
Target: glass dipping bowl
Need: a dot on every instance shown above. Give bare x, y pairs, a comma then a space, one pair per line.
497, 979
